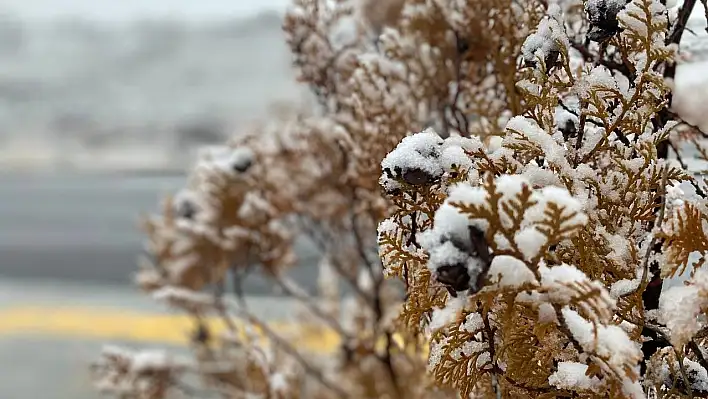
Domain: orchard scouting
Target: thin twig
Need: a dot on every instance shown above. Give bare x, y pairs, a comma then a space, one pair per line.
359, 244
287, 288
677, 153
681, 21
289, 349
581, 127
324, 247
489, 331
686, 381
220, 307
699, 353
705, 11
681, 121
389, 365
609, 64
660, 220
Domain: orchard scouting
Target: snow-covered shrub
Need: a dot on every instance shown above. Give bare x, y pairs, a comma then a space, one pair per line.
531, 216
557, 241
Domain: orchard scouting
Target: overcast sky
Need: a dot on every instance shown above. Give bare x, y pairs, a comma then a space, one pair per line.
121, 10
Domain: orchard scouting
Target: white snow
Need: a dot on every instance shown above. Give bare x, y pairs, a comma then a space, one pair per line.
611, 342
507, 271
561, 274
419, 152
473, 322
599, 78
549, 37
150, 360
278, 383
429, 153
446, 315
624, 287
530, 240
680, 306
445, 254
571, 375
182, 297
529, 129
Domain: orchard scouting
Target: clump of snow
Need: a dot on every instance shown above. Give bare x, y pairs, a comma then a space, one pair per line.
450, 242
624, 287
455, 240
444, 254
446, 315
558, 282
572, 376
387, 226
509, 186
150, 360
599, 79
417, 153
562, 274
184, 298
188, 204
679, 308
227, 159
564, 200
528, 129
278, 383
473, 322
424, 157
455, 150
674, 196
548, 40
608, 341
530, 240
124, 371
697, 374
507, 271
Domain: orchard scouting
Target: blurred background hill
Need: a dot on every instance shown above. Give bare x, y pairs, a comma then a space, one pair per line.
136, 84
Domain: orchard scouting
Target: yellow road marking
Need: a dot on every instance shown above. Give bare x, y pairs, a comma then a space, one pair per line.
106, 324
115, 324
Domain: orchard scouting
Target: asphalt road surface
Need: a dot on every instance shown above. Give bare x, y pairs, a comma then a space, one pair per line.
80, 228
68, 249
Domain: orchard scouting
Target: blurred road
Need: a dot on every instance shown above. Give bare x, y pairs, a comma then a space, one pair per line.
50, 333
68, 247
84, 228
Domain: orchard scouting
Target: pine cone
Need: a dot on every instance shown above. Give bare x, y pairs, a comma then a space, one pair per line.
186, 209
455, 278
602, 15
242, 165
